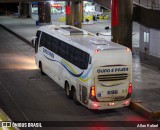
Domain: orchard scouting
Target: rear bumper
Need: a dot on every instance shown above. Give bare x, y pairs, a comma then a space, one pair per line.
108, 105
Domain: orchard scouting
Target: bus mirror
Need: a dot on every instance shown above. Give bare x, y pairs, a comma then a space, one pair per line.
33, 40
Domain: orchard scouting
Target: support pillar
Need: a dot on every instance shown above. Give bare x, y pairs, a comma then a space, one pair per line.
69, 13
122, 22
25, 10
74, 16
30, 9
78, 9
44, 12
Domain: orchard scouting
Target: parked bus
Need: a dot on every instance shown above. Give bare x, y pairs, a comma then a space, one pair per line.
93, 71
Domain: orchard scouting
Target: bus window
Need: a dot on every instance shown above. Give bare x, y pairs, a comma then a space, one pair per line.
54, 42
63, 49
48, 42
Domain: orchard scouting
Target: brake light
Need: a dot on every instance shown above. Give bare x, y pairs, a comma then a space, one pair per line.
93, 94
130, 89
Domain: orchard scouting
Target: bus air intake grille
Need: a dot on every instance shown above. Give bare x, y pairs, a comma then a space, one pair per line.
72, 30
112, 77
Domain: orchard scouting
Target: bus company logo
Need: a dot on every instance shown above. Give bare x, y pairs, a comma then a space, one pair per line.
48, 52
9, 124
112, 70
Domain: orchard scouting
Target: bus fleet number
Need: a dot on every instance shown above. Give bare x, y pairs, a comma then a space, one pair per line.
112, 92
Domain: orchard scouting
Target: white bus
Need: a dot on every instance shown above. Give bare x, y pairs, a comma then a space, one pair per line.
93, 71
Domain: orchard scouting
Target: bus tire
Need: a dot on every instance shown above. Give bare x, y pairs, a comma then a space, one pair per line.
75, 97
41, 69
68, 92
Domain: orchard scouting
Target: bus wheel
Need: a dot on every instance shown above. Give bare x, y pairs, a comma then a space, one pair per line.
68, 92
41, 69
75, 97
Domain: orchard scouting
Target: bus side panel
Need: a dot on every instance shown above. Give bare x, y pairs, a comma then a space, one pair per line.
85, 85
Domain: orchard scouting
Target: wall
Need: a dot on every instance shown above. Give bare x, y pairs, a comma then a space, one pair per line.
153, 44
147, 17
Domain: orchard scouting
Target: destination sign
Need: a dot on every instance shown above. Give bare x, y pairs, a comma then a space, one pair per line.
113, 70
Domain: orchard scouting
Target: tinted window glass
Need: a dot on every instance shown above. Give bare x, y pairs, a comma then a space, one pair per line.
54, 42
43, 39
70, 53
48, 42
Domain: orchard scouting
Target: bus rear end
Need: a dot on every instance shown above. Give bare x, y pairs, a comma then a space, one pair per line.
112, 78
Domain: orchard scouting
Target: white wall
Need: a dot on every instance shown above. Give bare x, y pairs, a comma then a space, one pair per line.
142, 43
155, 42
153, 46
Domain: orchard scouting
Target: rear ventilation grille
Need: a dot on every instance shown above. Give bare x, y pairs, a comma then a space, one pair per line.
112, 77
69, 30
72, 30
99, 41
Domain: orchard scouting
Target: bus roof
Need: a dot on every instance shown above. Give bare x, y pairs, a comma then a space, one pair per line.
77, 36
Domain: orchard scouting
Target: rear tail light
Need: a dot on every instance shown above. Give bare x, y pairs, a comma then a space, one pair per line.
93, 94
129, 91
